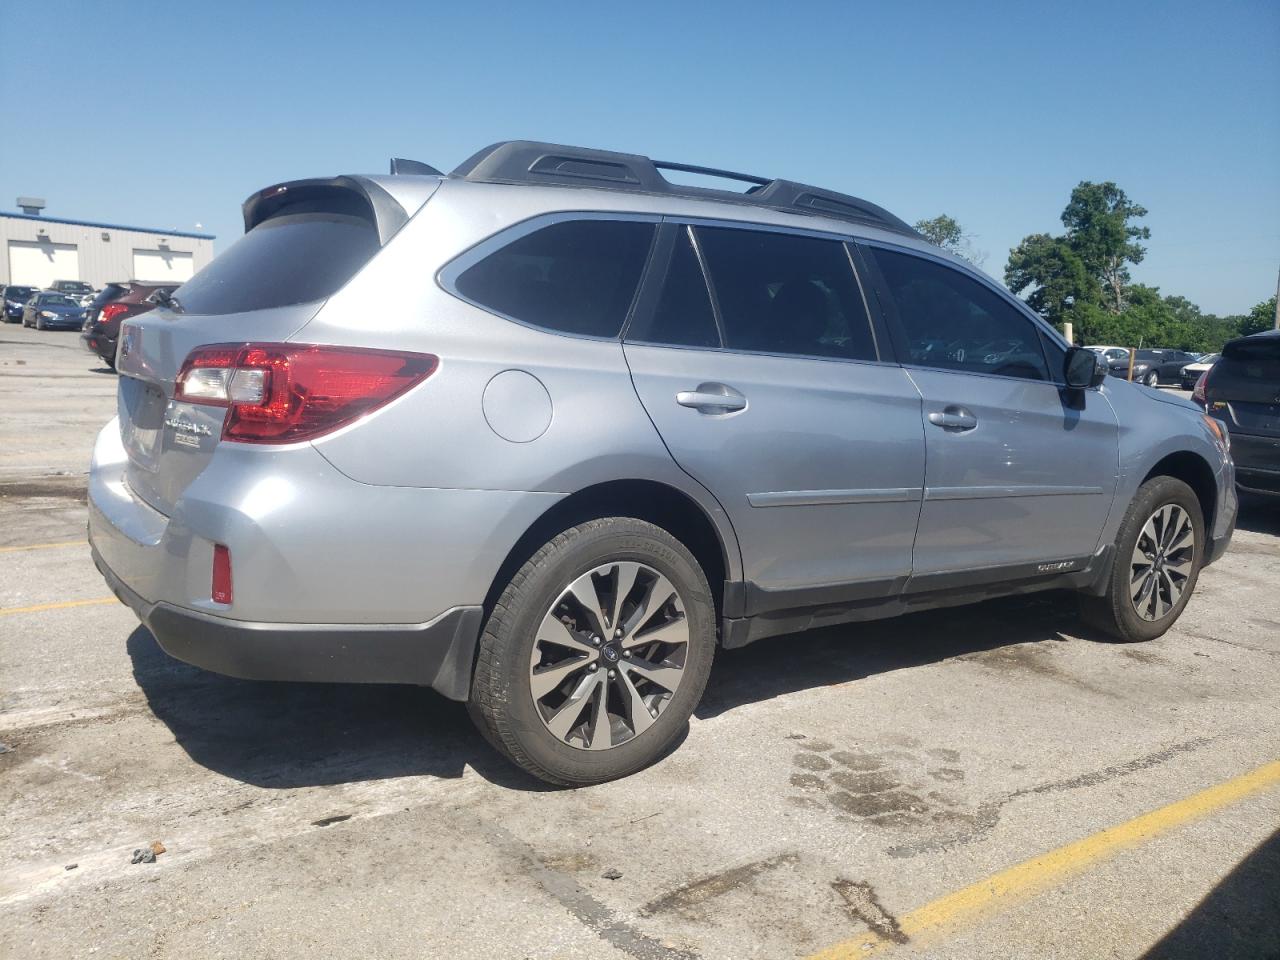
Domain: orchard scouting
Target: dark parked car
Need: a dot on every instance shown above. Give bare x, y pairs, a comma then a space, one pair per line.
14, 299
53, 311
1154, 366
116, 302
1243, 391
77, 290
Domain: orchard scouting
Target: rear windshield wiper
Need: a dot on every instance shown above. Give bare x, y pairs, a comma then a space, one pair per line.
166, 299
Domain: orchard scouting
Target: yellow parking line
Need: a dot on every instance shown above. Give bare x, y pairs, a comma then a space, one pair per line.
4, 612
43, 546
1017, 883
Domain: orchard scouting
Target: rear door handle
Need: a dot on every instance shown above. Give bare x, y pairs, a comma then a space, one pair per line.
712, 398
953, 417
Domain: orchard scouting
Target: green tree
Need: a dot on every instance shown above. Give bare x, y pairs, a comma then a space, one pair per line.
1060, 286
1262, 317
947, 233
943, 230
1097, 219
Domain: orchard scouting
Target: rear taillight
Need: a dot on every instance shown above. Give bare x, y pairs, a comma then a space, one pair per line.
1197, 394
221, 592
111, 311
285, 392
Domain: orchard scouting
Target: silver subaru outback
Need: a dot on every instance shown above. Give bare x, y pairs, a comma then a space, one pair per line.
543, 432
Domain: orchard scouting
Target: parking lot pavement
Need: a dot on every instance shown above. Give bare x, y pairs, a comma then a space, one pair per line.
984, 782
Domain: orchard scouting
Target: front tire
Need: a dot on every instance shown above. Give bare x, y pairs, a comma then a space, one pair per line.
596, 653
1159, 551
1152, 379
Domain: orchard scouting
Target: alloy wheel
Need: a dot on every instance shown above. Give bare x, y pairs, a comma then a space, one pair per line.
609, 655
1162, 562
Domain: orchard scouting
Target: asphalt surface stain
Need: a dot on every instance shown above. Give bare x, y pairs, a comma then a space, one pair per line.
888, 787
976, 825
861, 902
685, 899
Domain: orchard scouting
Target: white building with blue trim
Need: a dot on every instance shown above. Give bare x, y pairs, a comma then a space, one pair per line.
37, 250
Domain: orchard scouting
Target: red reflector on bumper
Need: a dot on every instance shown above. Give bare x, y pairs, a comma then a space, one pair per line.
221, 574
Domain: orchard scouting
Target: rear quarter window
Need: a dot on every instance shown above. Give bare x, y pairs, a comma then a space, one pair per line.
577, 277
294, 258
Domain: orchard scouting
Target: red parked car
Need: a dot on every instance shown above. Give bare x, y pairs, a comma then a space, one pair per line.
116, 302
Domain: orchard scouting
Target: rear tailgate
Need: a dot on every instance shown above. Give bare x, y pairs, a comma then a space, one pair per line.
1244, 386
304, 241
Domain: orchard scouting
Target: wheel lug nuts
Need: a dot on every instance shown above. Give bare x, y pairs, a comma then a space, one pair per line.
596, 641
617, 633
613, 673
593, 668
626, 654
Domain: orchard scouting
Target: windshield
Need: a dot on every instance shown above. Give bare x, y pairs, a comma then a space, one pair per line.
19, 293
297, 258
57, 300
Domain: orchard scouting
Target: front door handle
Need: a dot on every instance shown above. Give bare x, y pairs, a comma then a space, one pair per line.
712, 398
953, 417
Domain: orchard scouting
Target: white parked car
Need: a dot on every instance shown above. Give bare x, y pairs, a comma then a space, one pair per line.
1193, 371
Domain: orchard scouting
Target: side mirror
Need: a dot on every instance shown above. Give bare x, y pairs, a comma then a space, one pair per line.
1083, 368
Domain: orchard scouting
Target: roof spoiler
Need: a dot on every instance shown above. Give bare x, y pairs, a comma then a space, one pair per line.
526, 161
353, 196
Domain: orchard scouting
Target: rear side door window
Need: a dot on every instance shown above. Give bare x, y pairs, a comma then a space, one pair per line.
576, 276
786, 294
683, 316
950, 321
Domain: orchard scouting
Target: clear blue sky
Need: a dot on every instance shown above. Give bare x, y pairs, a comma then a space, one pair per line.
169, 114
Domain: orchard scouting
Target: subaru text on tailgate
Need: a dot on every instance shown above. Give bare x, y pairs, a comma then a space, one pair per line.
544, 432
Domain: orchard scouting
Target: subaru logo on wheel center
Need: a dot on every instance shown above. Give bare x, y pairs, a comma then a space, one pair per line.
610, 653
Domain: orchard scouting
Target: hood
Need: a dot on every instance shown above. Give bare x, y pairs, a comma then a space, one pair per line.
1164, 396
62, 308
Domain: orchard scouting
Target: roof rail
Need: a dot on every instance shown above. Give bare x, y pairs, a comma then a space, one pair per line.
527, 161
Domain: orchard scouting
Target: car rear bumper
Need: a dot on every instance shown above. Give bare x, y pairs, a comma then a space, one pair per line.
104, 347
1257, 462
333, 579
437, 654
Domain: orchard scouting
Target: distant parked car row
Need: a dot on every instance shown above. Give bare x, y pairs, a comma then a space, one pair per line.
62, 307
1150, 367
53, 302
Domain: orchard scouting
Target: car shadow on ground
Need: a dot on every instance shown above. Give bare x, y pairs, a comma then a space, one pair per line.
283, 735
839, 654
1240, 917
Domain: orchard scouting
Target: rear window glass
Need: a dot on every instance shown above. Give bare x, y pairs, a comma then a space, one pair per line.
296, 258
576, 277
1252, 359
109, 292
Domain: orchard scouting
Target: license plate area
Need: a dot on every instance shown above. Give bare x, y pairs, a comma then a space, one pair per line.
142, 407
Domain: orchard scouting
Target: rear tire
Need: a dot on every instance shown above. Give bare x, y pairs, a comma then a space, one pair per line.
1155, 570
582, 691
